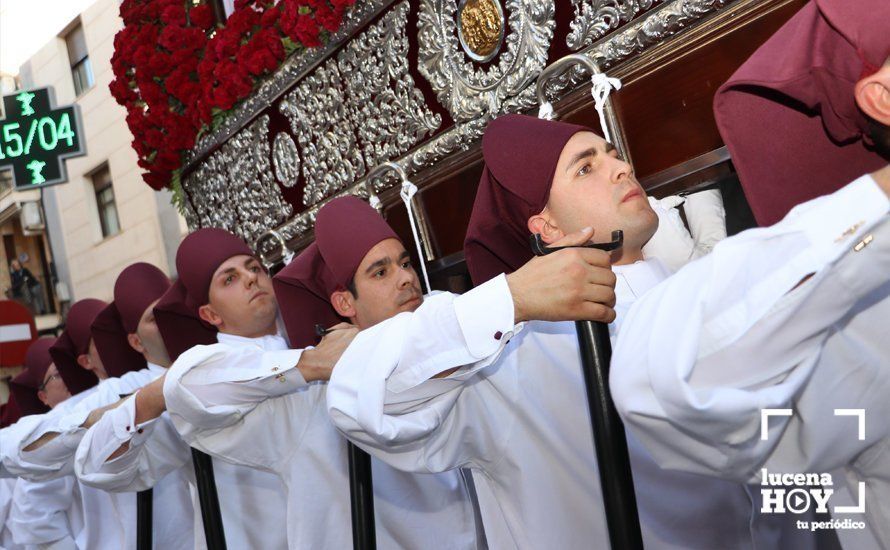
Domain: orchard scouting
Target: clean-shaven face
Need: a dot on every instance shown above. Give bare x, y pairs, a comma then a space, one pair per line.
593, 187
241, 298
385, 283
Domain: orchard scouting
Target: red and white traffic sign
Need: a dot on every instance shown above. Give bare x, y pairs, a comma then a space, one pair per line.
17, 331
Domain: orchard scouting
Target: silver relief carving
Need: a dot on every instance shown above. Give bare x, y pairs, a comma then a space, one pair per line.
596, 18
293, 69
654, 28
234, 189
285, 160
209, 191
260, 204
388, 112
649, 29
467, 91
319, 118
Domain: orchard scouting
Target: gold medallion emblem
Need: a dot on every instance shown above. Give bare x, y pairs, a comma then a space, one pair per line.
480, 27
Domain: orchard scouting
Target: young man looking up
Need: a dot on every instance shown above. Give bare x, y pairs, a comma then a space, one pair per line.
517, 400
758, 338
251, 400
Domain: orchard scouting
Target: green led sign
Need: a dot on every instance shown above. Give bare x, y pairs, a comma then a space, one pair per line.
35, 138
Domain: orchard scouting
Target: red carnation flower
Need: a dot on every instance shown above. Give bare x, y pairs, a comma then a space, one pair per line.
174, 15
201, 16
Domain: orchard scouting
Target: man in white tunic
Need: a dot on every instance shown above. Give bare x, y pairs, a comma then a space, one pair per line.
126, 334
46, 449
123, 453
249, 399
42, 514
799, 326
515, 410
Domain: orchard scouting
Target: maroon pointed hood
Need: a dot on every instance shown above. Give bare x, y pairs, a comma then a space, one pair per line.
25, 386
75, 341
520, 153
9, 412
135, 289
346, 228
198, 257
788, 115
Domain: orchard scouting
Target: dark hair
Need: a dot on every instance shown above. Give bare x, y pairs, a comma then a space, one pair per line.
880, 136
350, 286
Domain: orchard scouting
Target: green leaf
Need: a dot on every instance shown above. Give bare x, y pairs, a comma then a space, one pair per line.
177, 199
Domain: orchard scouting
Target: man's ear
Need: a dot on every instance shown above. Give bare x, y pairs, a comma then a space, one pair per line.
135, 342
208, 314
872, 95
543, 223
41, 395
344, 303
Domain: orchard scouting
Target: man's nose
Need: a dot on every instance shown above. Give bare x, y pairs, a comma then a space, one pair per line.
407, 276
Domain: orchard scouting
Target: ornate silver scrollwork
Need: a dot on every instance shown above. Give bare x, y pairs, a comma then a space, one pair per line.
596, 18
209, 189
294, 68
261, 246
235, 187
443, 63
285, 160
320, 120
469, 92
655, 27
388, 111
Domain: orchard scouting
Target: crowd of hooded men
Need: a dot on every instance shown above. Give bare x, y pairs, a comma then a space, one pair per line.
472, 406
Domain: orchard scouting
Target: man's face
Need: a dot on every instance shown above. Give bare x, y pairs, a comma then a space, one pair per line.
385, 284
592, 187
149, 341
16, 265
91, 361
241, 299
53, 390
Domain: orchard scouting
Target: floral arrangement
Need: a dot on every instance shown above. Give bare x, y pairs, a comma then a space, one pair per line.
178, 73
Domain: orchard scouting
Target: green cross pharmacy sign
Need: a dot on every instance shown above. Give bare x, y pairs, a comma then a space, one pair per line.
35, 137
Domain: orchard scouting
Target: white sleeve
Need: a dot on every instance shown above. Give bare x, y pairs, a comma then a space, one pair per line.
671, 243
39, 513
383, 394
243, 405
675, 245
56, 457
701, 355
707, 220
10, 463
155, 450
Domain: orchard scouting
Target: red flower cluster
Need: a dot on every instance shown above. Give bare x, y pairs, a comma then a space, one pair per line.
173, 79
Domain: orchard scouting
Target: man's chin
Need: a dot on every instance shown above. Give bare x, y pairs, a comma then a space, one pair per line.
411, 305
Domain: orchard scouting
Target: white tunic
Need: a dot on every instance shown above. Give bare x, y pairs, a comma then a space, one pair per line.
109, 519
46, 514
56, 457
243, 400
7, 486
694, 388
10, 436
517, 415
158, 457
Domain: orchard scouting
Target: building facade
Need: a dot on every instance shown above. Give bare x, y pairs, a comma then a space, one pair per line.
105, 217
22, 230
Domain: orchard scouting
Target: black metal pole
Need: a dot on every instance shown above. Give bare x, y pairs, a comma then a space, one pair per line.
143, 519
609, 439
361, 495
213, 524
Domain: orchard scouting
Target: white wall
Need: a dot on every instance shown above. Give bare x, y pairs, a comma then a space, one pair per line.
93, 263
